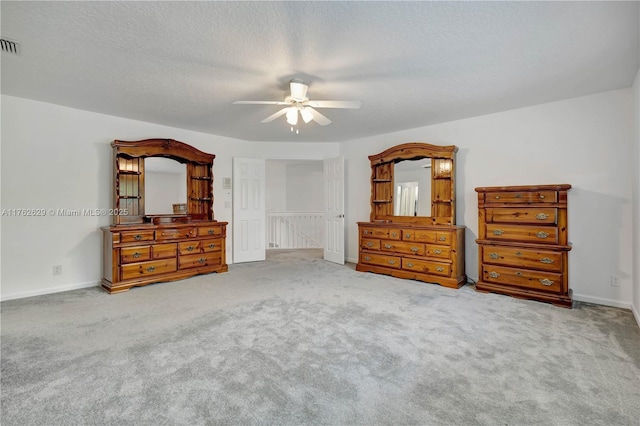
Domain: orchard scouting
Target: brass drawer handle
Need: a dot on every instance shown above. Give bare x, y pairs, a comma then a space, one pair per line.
367, 258
541, 216
210, 232
151, 268
518, 253
443, 238
392, 262
518, 274
546, 260
518, 195
394, 234
369, 244
190, 248
494, 255
497, 197
498, 232
136, 255
201, 260
439, 269
407, 235
437, 251
409, 264
542, 235
540, 196
388, 246
138, 237
546, 282
414, 249
212, 246
494, 274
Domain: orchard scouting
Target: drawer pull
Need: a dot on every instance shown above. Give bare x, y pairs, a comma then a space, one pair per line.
518, 253
388, 246
443, 238
369, 244
392, 262
439, 269
210, 232
497, 197
407, 235
414, 249
498, 232
394, 234
212, 246
201, 260
546, 260
138, 237
494, 274
542, 235
541, 216
365, 232
190, 248
540, 196
494, 255
518, 274
545, 281
136, 255
437, 251
518, 195
367, 258
409, 264
151, 268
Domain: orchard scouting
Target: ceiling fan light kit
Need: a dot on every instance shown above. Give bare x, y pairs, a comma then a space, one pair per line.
298, 102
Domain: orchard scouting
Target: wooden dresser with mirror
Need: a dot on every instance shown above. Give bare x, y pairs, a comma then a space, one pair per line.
164, 228
412, 232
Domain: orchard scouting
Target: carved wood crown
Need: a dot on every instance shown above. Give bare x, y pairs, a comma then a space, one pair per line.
169, 148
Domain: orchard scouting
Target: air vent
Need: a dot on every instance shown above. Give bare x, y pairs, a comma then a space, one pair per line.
9, 46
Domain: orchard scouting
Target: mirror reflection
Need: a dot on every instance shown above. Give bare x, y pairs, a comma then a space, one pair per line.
412, 192
165, 185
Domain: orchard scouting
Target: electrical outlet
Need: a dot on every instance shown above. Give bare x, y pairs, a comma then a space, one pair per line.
615, 281
57, 269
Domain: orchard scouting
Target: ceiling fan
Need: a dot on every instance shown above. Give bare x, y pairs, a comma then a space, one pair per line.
297, 103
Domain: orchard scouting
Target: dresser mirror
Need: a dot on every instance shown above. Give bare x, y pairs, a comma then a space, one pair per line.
413, 183
152, 175
165, 184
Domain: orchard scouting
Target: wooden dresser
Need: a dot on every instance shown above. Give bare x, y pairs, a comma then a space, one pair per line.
523, 242
433, 254
402, 241
143, 247
139, 255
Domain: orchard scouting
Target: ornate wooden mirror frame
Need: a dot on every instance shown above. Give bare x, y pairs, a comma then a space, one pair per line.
443, 211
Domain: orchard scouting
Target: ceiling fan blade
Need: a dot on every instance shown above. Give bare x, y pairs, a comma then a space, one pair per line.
334, 104
317, 117
261, 102
272, 117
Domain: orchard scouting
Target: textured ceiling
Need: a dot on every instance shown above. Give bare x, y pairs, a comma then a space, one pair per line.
411, 64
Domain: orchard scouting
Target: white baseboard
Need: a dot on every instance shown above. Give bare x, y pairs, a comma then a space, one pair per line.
601, 301
49, 290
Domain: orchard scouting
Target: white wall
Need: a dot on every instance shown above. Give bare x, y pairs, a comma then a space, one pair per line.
636, 200
586, 142
294, 185
55, 157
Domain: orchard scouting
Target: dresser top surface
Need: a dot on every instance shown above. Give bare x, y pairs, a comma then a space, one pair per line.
553, 187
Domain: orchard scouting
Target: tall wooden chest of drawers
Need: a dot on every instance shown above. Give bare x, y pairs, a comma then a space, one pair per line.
429, 253
523, 242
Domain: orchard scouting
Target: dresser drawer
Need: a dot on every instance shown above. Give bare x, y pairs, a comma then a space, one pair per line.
203, 231
442, 252
521, 197
522, 258
189, 247
135, 236
135, 254
369, 244
375, 232
525, 278
154, 267
522, 233
381, 260
402, 247
211, 245
427, 267
175, 233
522, 215
163, 251
199, 260
425, 236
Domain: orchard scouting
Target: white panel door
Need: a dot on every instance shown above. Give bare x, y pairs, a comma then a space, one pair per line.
249, 214
334, 210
